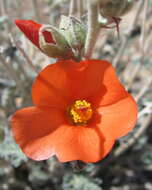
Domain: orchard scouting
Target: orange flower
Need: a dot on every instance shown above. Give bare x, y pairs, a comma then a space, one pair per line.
80, 110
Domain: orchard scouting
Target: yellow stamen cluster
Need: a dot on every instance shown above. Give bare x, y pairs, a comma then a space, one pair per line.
81, 112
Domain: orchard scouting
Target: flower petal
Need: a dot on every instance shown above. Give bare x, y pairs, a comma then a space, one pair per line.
70, 143
92, 79
50, 87
105, 83
43, 132
32, 123
31, 31
119, 118
82, 143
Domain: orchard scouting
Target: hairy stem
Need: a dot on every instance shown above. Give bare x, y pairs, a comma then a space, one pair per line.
93, 29
80, 8
73, 8
29, 62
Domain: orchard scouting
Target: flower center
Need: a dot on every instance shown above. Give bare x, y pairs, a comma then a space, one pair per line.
81, 112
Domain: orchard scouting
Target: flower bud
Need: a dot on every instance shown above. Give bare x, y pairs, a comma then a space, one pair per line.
60, 49
31, 31
128, 6
47, 38
115, 8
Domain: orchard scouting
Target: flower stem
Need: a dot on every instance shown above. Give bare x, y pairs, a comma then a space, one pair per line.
80, 8
77, 165
73, 7
93, 28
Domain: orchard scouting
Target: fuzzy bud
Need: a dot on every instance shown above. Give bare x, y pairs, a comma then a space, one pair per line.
60, 49
73, 30
115, 8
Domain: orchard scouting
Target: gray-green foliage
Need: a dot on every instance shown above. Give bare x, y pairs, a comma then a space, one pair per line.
79, 182
10, 151
37, 175
147, 157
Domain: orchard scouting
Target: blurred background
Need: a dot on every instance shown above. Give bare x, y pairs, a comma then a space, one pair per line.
129, 165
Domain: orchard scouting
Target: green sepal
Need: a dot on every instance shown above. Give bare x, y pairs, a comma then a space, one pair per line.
59, 49
74, 31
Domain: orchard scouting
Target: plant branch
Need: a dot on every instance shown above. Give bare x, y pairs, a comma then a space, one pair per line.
12, 73
123, 46
143, 32
142, 43
29, 62
122, 148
